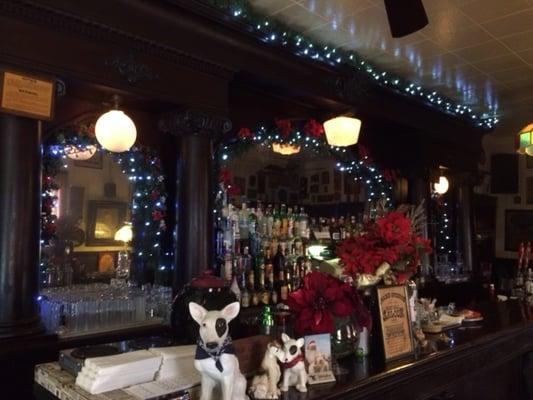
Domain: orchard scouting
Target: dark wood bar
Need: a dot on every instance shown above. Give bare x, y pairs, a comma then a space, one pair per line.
166, 161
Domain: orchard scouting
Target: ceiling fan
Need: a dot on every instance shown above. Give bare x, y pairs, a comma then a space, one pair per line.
405, 16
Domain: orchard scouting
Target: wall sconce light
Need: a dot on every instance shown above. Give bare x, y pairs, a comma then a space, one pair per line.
115, 131
81, 153
342, 131
442, 185
285, 149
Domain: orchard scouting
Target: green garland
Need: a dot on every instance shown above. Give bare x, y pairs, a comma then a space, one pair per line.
276, 33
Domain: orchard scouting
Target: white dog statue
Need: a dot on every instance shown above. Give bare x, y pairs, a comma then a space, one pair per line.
265, 385
294, 373
215, 355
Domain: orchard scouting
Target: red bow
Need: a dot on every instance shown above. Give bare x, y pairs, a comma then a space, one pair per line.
284, 126
292, 363
313, 128
244, 133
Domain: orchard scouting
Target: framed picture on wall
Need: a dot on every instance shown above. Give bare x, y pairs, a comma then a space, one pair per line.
105, 218
518, 228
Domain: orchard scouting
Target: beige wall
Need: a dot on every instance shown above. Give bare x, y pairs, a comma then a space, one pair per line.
93, 181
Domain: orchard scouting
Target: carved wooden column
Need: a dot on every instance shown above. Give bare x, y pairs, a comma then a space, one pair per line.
20, 200
196, 131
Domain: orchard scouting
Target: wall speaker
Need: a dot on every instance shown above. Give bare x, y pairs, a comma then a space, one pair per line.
405, 16
504, 173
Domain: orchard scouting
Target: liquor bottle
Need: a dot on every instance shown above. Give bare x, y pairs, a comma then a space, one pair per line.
276, 225
284, 286
269, 221
303, 224
279, 265
295, 224
290, 223
274, 297
244, 229
228, 266
334, 230
245, 298
342, 227
284, 228
234, 288
269, 270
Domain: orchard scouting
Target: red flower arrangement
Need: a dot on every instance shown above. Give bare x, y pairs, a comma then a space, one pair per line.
322, 298
390, 239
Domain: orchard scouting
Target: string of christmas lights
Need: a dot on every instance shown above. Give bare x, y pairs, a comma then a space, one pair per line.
276, 33
309, 134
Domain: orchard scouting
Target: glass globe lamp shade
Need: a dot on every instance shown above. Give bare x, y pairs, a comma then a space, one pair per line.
124, 234
81, 153
285, 149
115, 131
342, 131
442, 185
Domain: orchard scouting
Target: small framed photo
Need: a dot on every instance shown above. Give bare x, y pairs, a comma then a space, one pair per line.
395, 322
106, 262
318, 359
105, 218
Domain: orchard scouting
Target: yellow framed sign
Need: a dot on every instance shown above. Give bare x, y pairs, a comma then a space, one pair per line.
26, 95
395, 322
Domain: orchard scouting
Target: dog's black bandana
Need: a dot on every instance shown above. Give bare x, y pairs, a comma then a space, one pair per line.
202, 352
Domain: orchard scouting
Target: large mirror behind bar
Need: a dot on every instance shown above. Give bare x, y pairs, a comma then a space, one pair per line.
282, 216
101, 226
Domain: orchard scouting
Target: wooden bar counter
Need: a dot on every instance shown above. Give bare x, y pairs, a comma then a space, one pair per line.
490, 360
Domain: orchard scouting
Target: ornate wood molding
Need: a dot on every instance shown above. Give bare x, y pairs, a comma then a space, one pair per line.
59, 20
194, 122
132, 70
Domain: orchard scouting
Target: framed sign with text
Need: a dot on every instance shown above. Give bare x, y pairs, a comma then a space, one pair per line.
26, 95
395, 322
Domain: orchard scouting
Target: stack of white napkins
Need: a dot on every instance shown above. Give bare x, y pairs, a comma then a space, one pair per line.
177, 364
102, 374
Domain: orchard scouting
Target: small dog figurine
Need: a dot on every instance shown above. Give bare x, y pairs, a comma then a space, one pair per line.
215, 356
265, 385
294, 373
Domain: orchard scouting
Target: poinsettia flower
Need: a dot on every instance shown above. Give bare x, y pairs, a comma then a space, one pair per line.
317, 302
284, 126
314, 129
394, 228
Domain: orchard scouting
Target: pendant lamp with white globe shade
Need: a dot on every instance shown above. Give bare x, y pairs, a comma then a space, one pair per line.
115, 131
342, 131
